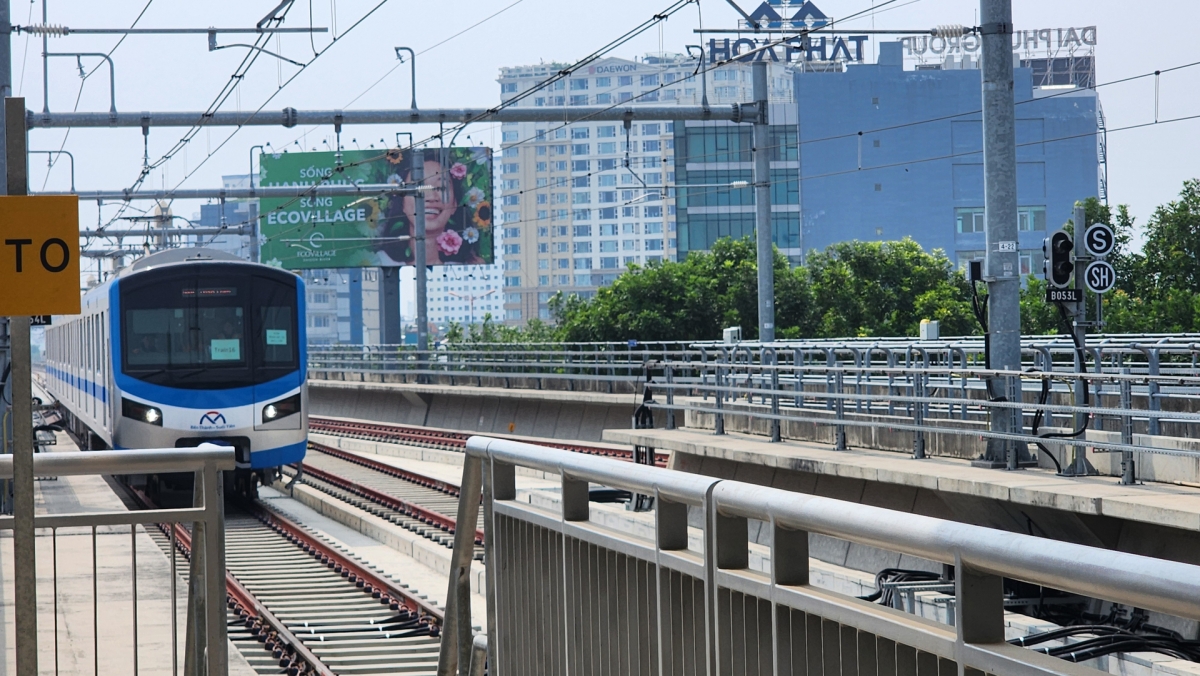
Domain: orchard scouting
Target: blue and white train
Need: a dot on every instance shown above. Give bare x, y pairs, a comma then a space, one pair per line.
188, 346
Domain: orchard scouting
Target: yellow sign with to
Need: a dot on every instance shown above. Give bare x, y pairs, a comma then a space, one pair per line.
39, 255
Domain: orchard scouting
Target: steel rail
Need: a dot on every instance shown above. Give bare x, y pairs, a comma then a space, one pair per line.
445, 439
405, 507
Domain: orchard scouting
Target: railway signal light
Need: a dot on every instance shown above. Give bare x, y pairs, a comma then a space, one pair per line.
1057, 264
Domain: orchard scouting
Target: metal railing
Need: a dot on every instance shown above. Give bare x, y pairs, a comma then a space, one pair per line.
1142, 392
110, 535
568, 595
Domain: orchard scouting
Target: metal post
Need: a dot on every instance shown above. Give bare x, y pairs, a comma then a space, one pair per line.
24, 558
1128, 473
1079, 326
419, 254
1000, 203
5, 388
919, 390
839, 404
669, 375
216, 648
1013, 394
455, 653
719, 422
762, 208
774, 361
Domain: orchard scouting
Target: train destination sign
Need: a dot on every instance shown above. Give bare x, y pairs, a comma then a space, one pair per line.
39, 255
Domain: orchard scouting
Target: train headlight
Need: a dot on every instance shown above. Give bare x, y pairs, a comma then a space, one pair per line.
141, 412
278, 410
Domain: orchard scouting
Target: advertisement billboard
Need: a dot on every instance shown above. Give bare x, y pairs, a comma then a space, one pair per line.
355, 232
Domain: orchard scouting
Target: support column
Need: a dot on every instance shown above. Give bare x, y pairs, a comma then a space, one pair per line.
356, 306
24, 542
762, 207
1002, 272
390, 332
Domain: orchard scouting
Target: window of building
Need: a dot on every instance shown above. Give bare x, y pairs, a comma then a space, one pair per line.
628, 245
558, 150
651, 129
541, 150
581, 182
543, 263
512, 281
512, 313
509, 136
651, 146
508, 87
603, 99
558, 215
512, 232
606, 165
629, 212
510, 168
629, 228
562, 280
583, 231
622, 97
610, 262
560, 231
631, 259
608, 213
608, 245
970, 220
540, 166
1031, 218
607, 196
965, 257
583, 263
581, 214
512, 265
511, 200
608, 229
581, 149
541, 183
559, 198
624, 80
581, 165
563, 263
512, 298
606, 148
581, 198
543, 231
671, 243
650, 80
654, 211
654, 245
603, 82
1026, 259
583, 247
653, 227
580, 132
511, 249
511, 184
511, 152
605, 180
542, 198
543, 280
579, 84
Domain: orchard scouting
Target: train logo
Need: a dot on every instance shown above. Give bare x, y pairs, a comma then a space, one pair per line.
213, 420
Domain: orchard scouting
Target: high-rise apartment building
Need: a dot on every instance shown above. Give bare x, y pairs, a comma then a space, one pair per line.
582, 201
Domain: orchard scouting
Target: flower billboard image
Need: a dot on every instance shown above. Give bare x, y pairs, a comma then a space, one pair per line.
377, 230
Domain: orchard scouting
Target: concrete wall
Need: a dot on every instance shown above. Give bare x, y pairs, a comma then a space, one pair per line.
553, 414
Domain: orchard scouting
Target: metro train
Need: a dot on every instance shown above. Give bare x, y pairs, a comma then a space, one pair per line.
183, 347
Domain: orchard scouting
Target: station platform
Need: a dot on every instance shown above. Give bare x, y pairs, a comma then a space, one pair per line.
86, 622
1155, 519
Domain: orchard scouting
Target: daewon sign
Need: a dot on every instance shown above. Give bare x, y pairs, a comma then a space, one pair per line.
39, 255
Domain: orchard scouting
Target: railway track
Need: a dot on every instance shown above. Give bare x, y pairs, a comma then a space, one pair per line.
428, 437
423, 505
301, 607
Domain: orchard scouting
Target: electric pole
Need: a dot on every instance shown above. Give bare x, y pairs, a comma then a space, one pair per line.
1001, 263
762, 206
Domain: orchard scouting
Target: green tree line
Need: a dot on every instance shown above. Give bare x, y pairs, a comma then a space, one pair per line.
869, 289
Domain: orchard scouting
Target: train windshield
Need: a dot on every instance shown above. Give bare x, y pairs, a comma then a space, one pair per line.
221, 329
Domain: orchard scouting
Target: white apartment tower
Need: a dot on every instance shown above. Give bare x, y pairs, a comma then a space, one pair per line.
580, 202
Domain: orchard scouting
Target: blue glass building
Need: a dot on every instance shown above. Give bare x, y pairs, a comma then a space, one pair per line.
886, 153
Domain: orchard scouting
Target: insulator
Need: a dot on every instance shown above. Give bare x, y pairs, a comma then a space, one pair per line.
48, 29
953, 30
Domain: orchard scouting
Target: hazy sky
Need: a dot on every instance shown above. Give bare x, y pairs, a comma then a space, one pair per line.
1146, 166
